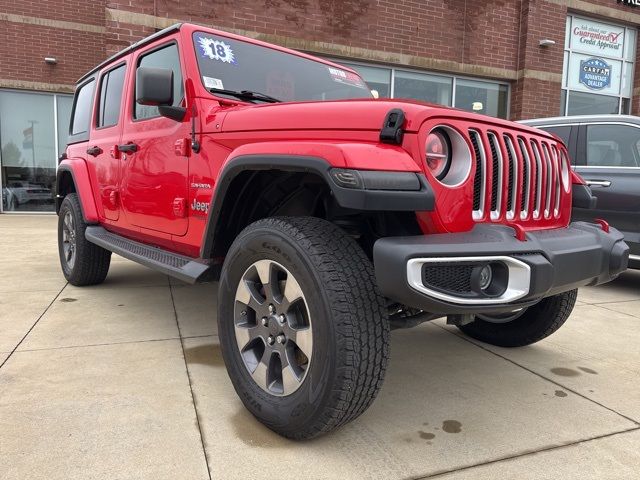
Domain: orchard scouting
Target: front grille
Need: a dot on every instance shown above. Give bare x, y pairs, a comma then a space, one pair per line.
450, 277
518, 177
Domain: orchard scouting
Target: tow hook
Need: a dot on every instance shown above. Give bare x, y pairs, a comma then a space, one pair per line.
603, 224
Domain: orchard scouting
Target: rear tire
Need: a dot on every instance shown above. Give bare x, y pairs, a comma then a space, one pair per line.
345, 321
83, 263
537, 322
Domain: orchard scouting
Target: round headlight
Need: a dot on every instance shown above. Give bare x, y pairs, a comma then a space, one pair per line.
438, 154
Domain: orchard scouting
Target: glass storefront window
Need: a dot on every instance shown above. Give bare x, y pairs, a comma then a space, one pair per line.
377, 78
489, 98
598, 67
28, 158
482, 97
418, 86
592, 104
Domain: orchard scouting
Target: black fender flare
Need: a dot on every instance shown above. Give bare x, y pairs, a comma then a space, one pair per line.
376, 191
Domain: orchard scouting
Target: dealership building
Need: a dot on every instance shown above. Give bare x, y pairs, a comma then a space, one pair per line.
512, 59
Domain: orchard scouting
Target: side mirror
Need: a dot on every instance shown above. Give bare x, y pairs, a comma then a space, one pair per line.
154, 87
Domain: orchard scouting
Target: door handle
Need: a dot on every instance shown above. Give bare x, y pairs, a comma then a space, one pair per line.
94, 151
598, 183
128, 147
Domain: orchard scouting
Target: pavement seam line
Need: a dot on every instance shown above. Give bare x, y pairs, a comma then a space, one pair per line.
33, 326
127, 342
193, 397
603, 306
609, 302
636, 422
526, 454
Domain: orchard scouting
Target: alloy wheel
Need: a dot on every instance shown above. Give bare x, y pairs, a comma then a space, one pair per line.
273, 328
69, 239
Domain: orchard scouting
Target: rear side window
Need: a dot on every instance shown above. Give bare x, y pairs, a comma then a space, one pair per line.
111, 88
613, 146
82, 112
563, 132
166, 57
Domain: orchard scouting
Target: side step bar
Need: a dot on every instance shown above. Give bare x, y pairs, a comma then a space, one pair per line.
178, 266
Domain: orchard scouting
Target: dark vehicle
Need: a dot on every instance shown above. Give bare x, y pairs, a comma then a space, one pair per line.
605, 151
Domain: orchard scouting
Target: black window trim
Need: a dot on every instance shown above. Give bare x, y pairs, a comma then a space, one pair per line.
143, 54
99, 94
82, 136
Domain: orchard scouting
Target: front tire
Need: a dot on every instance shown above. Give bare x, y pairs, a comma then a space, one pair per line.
303, 330
83, 263
535, 323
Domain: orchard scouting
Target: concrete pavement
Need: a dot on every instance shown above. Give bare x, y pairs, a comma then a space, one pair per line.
126, 380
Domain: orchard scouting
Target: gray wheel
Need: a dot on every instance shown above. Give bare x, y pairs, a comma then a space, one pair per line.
303, 329
273, 327
525, 327
68, 239
82, 262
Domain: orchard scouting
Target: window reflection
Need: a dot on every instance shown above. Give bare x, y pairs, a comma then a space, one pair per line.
428, 88
482, 97
28, 148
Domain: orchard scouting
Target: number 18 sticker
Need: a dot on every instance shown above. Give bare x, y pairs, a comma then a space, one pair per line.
216, 50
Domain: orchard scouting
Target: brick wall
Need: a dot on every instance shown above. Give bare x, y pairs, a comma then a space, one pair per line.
496, 39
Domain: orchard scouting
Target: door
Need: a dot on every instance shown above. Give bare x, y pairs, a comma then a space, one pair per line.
105, 136
154, 172
609, 162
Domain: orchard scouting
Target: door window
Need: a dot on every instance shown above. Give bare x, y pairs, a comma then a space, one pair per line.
82, 111
613, 146
111, 88
166, 57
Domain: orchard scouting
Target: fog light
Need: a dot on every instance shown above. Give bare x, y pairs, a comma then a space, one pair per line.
489, 279
484, 277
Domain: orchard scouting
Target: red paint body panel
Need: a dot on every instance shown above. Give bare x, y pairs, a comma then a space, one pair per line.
151, 184
83, 185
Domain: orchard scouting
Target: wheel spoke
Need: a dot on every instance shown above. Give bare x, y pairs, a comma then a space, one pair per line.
244, 335
292, 290
290, 381
263, 267
303, 338
69, 253
248, 296
259, 375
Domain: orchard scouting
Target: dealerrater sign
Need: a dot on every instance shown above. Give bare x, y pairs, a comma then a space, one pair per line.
597, 38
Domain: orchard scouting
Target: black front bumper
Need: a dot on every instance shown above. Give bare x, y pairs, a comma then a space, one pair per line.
558, 260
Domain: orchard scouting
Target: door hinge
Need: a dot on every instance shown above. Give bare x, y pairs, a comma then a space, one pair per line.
181, 147
179, 207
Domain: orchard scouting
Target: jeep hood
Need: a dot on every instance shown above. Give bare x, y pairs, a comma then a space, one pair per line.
322, 115
364, 115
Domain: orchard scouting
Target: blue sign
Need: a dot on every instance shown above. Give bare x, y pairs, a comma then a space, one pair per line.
595, 74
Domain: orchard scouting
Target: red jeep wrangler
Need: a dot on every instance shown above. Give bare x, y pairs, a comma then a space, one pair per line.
327, 216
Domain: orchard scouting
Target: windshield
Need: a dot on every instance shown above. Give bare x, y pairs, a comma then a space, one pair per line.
227, 64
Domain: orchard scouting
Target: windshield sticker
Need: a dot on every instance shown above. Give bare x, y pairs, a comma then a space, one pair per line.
347, 78
211, 82
216, 50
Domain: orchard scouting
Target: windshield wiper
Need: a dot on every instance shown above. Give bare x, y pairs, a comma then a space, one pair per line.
246, 95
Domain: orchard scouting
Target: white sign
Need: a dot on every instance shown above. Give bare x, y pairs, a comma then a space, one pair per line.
597, 38
590, 74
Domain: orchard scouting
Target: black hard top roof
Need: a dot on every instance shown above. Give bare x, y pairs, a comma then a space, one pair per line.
165, 31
